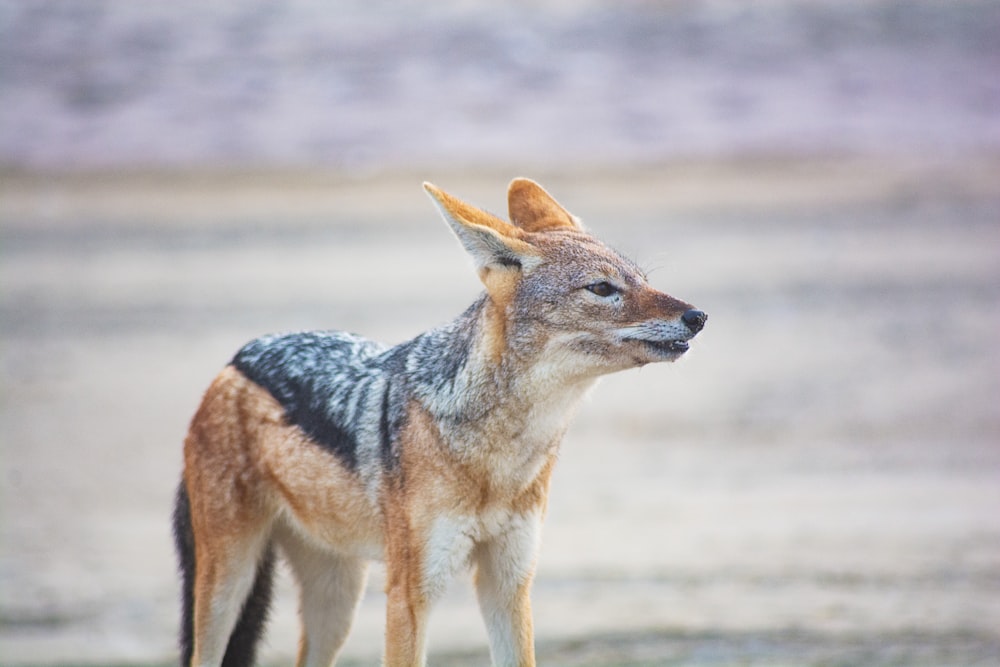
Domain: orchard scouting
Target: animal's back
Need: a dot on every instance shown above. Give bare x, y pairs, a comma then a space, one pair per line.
327, 383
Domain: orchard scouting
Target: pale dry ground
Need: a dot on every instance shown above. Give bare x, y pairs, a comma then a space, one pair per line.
818, 482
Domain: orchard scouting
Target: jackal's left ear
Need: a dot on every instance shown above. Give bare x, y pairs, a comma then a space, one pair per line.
492, 242
534, 210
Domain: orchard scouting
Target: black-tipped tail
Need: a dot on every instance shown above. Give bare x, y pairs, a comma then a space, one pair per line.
184, 543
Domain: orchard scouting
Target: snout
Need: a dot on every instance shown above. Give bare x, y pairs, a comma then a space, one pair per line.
694, 319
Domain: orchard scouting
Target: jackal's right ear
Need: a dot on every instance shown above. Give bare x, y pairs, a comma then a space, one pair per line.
492, 242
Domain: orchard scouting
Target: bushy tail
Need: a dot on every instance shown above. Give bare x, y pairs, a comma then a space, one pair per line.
184, 544
242, 648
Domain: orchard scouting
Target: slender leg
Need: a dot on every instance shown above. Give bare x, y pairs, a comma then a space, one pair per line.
408, 600
224, 577
504, 569
420, 564
330, 588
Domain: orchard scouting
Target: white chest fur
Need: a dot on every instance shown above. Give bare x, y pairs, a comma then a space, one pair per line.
453, 541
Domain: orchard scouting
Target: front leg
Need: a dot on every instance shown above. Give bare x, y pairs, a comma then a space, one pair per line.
420, 563
505, 566
405, 626
407, 601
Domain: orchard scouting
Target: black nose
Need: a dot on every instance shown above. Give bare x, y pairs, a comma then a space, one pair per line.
694, 319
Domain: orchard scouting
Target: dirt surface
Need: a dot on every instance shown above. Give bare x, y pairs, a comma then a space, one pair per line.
815, 483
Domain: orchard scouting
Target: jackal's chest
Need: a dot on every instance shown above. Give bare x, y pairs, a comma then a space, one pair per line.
510, 444
453, 542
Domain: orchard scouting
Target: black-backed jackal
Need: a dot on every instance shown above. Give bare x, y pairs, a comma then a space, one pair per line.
433, 455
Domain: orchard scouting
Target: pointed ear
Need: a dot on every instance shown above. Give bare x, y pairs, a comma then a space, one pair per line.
492, 242
534, 210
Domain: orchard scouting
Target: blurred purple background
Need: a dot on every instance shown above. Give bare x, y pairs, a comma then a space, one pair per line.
375, 85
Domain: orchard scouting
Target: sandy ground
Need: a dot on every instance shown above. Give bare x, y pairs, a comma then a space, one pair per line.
815, 483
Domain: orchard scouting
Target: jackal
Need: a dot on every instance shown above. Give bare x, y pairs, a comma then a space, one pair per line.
433, 456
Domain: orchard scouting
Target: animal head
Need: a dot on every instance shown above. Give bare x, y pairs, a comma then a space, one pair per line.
557, 290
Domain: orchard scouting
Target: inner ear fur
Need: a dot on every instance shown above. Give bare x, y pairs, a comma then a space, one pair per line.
457, 211
493, 243
533, 209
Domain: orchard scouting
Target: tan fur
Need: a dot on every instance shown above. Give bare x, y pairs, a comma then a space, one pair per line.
534, 210
464, 491
245, 470
244, 465
501, 283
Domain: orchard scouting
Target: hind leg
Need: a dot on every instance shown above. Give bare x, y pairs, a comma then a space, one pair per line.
330, 588
232, 571
225, 574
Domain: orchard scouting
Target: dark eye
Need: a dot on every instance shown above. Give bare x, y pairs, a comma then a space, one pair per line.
602, 288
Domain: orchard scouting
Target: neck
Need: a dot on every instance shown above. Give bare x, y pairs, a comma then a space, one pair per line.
473, 380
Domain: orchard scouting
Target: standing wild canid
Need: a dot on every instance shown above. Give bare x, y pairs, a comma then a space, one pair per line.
433, 455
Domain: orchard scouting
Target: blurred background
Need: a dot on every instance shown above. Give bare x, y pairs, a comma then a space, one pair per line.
817, 482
